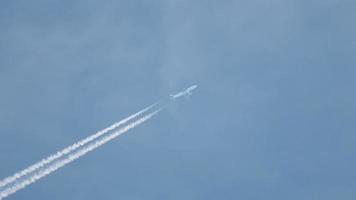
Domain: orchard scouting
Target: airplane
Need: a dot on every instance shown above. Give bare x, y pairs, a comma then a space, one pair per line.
187, 92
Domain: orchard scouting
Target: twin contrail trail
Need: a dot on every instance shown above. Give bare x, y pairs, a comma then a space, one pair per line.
41, 169
68, 149
31, 174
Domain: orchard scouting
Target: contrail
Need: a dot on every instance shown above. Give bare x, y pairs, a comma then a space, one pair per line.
71, 157
69, 149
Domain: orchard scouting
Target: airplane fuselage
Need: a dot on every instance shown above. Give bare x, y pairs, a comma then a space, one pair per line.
186, 92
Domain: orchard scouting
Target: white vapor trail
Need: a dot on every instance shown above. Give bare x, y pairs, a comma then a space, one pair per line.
73, 156
69, 149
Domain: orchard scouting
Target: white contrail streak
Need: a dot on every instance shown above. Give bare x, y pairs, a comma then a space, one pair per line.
68, 149
73, 156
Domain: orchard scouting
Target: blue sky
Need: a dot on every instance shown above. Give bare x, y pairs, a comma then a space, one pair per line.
273, 117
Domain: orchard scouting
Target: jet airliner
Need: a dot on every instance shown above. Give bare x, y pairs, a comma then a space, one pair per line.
187, 92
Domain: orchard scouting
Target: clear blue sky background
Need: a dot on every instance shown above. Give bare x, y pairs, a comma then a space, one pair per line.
273, 117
